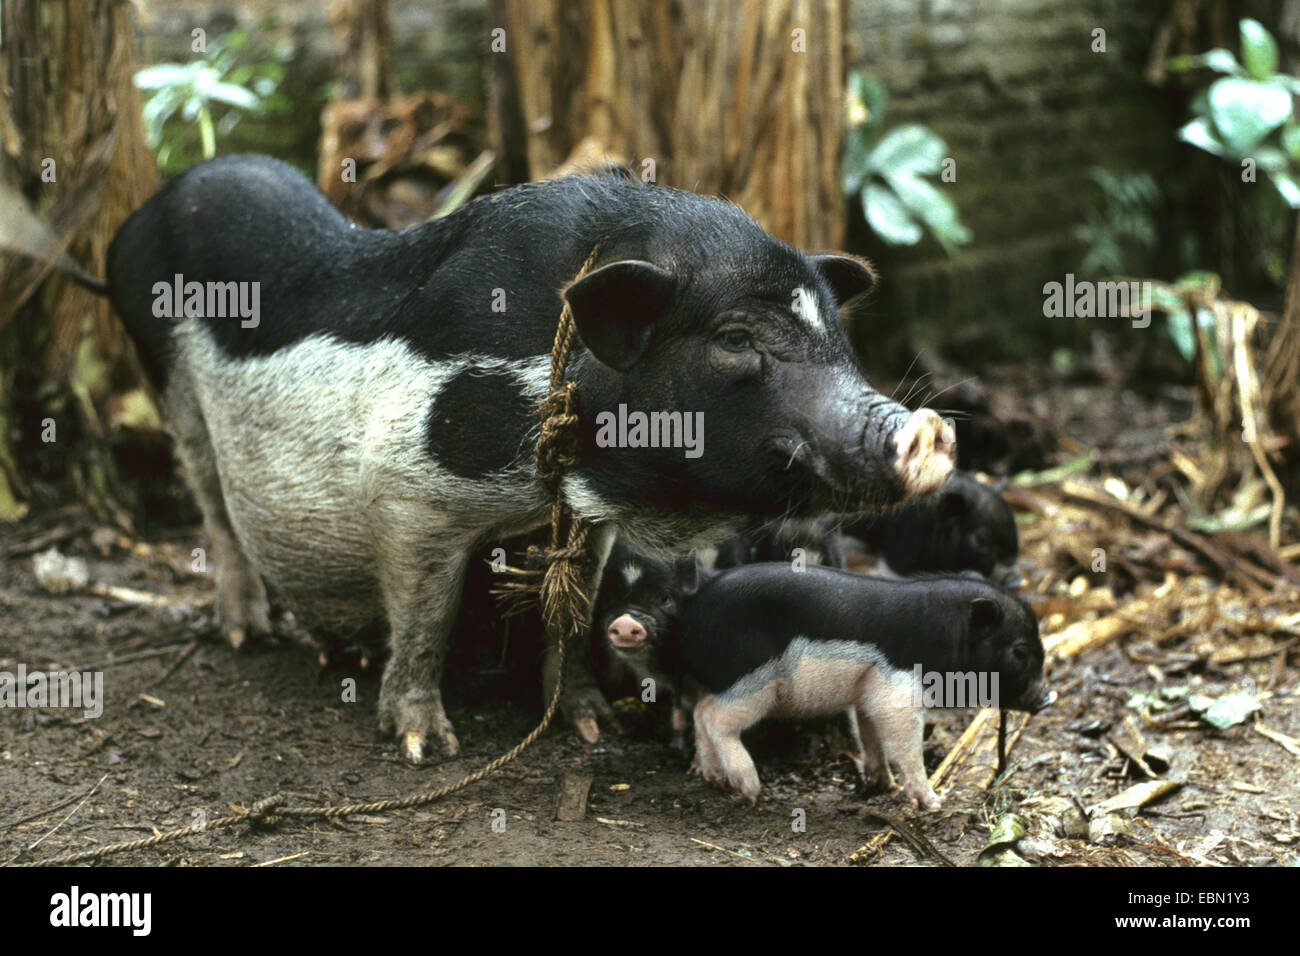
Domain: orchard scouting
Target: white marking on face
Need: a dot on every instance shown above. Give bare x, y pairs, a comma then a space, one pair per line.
805, 307
631, 573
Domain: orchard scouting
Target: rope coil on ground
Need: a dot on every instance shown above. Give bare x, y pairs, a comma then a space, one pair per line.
559, 587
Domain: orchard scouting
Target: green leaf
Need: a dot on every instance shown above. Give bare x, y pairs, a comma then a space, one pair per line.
1270, 159
1179, 324
1200, 133
1258, 49
1000, 850
1291, 141
233, 95
854, 169
869, 94
1285, 184
908, 149
1244, 112
888, 217
1218, 59
1227, 710
163, 74
933, 208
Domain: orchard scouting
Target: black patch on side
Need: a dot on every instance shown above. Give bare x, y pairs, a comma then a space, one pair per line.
480, 423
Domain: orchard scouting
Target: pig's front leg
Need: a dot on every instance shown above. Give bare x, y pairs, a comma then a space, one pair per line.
421, 597
897, 723
582, 703
706, 763
720, 722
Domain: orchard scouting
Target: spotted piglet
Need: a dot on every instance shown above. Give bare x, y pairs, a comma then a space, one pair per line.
765, 641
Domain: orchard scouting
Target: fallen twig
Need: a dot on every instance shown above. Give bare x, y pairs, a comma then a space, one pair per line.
90, 793
175, 665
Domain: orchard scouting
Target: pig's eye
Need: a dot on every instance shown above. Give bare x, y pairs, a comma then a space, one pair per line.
735, 340
666, 601
1020, 655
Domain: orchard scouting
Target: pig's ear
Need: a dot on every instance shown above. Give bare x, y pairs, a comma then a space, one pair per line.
848, 276
687, 573
984, 613
616, 306
952, 504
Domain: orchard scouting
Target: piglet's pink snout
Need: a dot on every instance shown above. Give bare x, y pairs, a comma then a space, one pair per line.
625, 633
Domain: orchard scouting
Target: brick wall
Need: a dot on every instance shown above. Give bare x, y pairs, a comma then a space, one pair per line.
1026, 109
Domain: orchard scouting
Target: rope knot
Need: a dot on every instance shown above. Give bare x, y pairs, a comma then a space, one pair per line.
557, 445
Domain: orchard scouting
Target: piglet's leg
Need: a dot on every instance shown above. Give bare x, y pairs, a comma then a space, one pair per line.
897, 722
706, 763
872, 765
721, 721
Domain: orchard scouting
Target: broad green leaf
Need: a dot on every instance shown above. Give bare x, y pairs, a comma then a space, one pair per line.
163, 74
1218, 59
1291, 141
1285, 184
1227, 710
233, 95
1270, 159
1244, 112
870, 95
854, 169
1200, 133
1179, 324
1000, 850
1258, 49
907, 149
933, 208
888, 217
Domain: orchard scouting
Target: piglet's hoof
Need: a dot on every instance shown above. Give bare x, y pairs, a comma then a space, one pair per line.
923, 797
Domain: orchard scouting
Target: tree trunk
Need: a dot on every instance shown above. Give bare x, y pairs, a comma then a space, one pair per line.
742, 99
74, 147
1281, 373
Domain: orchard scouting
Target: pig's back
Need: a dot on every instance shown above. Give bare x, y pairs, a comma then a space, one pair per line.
747, 616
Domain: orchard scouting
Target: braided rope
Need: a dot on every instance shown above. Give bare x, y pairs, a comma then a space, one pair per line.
561, 592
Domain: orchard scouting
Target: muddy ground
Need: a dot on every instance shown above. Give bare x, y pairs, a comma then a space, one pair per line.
196, 727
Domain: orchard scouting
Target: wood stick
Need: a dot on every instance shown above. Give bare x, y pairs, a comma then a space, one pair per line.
1233, 570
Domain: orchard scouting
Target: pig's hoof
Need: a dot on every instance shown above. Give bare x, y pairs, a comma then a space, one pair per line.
585, 707
746, 784
923, 798
415, 718
242, 606
878, 781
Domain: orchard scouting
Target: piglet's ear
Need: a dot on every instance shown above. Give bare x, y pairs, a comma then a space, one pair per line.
687, 573
616, 306
848, 276
952, 504
984, 613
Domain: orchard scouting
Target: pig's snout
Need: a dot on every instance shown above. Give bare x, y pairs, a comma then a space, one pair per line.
926, 447
1039, 697
1008, 576
626, 633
